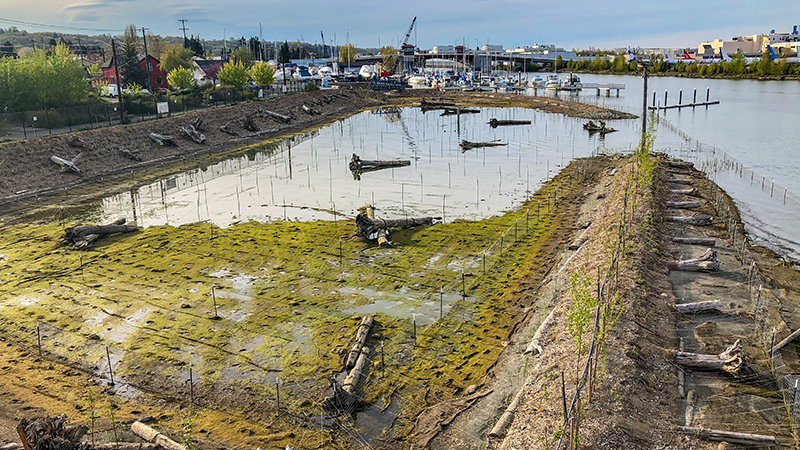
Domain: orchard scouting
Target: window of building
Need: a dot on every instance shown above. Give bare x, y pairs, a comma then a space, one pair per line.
150, 66
158, 80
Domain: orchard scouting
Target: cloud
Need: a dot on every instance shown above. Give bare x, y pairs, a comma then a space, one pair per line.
92, 4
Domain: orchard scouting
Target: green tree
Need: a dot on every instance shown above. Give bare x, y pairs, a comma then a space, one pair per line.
347, 53
233, 74
764, 66
389, 55
619, 65
175, 56
194, 45
559, 62
181, 77
262, 74
129, 69
131, 37
283, 58
243, 55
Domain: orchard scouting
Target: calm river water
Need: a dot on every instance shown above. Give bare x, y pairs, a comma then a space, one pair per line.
756, 124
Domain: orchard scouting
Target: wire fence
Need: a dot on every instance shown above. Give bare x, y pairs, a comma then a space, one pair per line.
137, 107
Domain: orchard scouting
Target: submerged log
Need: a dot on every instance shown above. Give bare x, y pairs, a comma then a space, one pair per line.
274, 115
359, 166
467, 145
457, 111
151, 435
684, 205
537, 343
163, 140
494, 123
508, 416
758, 440
728, 361
362, 335
689, 308
193, 134
707, 242
694, 219
705, 263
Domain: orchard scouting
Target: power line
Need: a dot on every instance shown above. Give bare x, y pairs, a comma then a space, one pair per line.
66, 27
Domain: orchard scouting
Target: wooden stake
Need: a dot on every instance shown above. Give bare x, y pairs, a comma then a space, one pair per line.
110, 370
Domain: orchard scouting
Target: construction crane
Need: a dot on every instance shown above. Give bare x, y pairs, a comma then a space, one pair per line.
405, 41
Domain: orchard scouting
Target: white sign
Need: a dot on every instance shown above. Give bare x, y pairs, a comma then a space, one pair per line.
163, 107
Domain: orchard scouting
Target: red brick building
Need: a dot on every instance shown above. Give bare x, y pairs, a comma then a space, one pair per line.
158, 79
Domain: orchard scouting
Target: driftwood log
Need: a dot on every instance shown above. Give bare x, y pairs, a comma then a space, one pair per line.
728, 361
362, 334
457, 111
151, 435
681, 164
129, 154
274, 115
163, 140
678, 180
371, 228
359, 166
494, 123
755, 440
508, 416
436, 104
706, 263
197, 123
694, 219
193, 134
467, 145
347, 396
691, 191
707, 242
383, 235
690, 308
84, 237
786, 341
691, 401
51, 433
537, 343
249, 124
310, 111
684, 205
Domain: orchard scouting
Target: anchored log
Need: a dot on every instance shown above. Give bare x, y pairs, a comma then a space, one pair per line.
786, 341
370, 228
151, 435
494, 123
689, 308
383, 238
755, 440
691, 400
84, 237
729, 361
683, 205
274, 115
678, 180
163, 140
537, 343
227, 129
361, 339
198, 123
681, 164
358, 166
457, 111
691, 191
507, 417
347, 396
249, 124
694, 219
706, 263
309, 111
129, 154
51, 433
467, 145
707, 242
193, 134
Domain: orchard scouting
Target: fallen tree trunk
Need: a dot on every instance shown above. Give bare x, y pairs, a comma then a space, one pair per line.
435, 103
274, 115
494, 123
369, 228
688, 308
362, 334
508, 416
358, 166
347, 397
151, 435
728, 361
383, 238
786, 341
706, 263
537, 343
163, 140
707, 242
681, 164
467, 145
694, 219
309, 111
691, 191
84, 237
678, 181
193, 134
684, 205
758, 440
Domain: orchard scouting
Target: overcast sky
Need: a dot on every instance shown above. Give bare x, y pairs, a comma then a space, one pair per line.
569, 24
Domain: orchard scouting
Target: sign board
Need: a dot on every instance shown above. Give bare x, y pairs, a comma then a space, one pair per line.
163, 107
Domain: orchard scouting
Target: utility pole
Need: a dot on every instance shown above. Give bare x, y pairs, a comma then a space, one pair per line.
147, 62
119, 84
183, 27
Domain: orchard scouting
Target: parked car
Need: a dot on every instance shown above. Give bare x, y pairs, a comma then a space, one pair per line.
113, 90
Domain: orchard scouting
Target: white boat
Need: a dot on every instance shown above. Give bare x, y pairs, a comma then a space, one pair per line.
536, 81
418, 80
571, 83
552, 82
367, 72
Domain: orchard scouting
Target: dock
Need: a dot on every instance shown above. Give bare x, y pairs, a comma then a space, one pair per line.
605, 88
684, 105
657, 106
